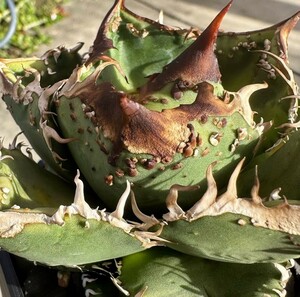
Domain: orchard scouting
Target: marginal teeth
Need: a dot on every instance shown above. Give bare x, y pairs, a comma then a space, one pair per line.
175, 211
255, 189
208, 198
275, 194
148, 221
119, 212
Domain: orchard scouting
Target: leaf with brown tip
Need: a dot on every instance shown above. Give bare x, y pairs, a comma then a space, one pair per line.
196, 64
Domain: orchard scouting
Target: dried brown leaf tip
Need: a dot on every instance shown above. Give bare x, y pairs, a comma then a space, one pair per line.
196, 64
284, 28
102, 43
111, 23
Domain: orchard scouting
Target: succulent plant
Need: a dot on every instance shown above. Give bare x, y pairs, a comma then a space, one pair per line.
189, 124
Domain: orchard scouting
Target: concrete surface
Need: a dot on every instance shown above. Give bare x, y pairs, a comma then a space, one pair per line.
84, 18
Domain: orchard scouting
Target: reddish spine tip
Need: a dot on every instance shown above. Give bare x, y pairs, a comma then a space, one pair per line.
211, 32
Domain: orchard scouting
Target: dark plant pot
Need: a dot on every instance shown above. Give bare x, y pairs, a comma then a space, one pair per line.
20, 277
9, 283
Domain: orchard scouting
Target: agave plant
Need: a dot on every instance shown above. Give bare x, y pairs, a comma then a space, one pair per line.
199, 128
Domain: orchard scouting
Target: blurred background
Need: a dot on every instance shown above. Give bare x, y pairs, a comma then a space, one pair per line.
44, 24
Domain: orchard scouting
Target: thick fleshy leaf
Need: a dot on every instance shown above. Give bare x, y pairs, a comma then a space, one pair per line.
71, 235
154, 146
26, 184
124, 36
257, 56
278, 170
60, 58
79, 241
196, 64
241, 60
26, 87
232, 229
163, 273
230, 238
152, 149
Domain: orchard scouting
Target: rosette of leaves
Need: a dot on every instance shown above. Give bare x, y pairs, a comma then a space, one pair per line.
177, 119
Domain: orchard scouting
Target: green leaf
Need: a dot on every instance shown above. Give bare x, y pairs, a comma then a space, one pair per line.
257, 56
27, 86
78, 241
151, 185
74, 234
163, 273
230, 238
141, 46
227, 228
28, 185
277, 169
